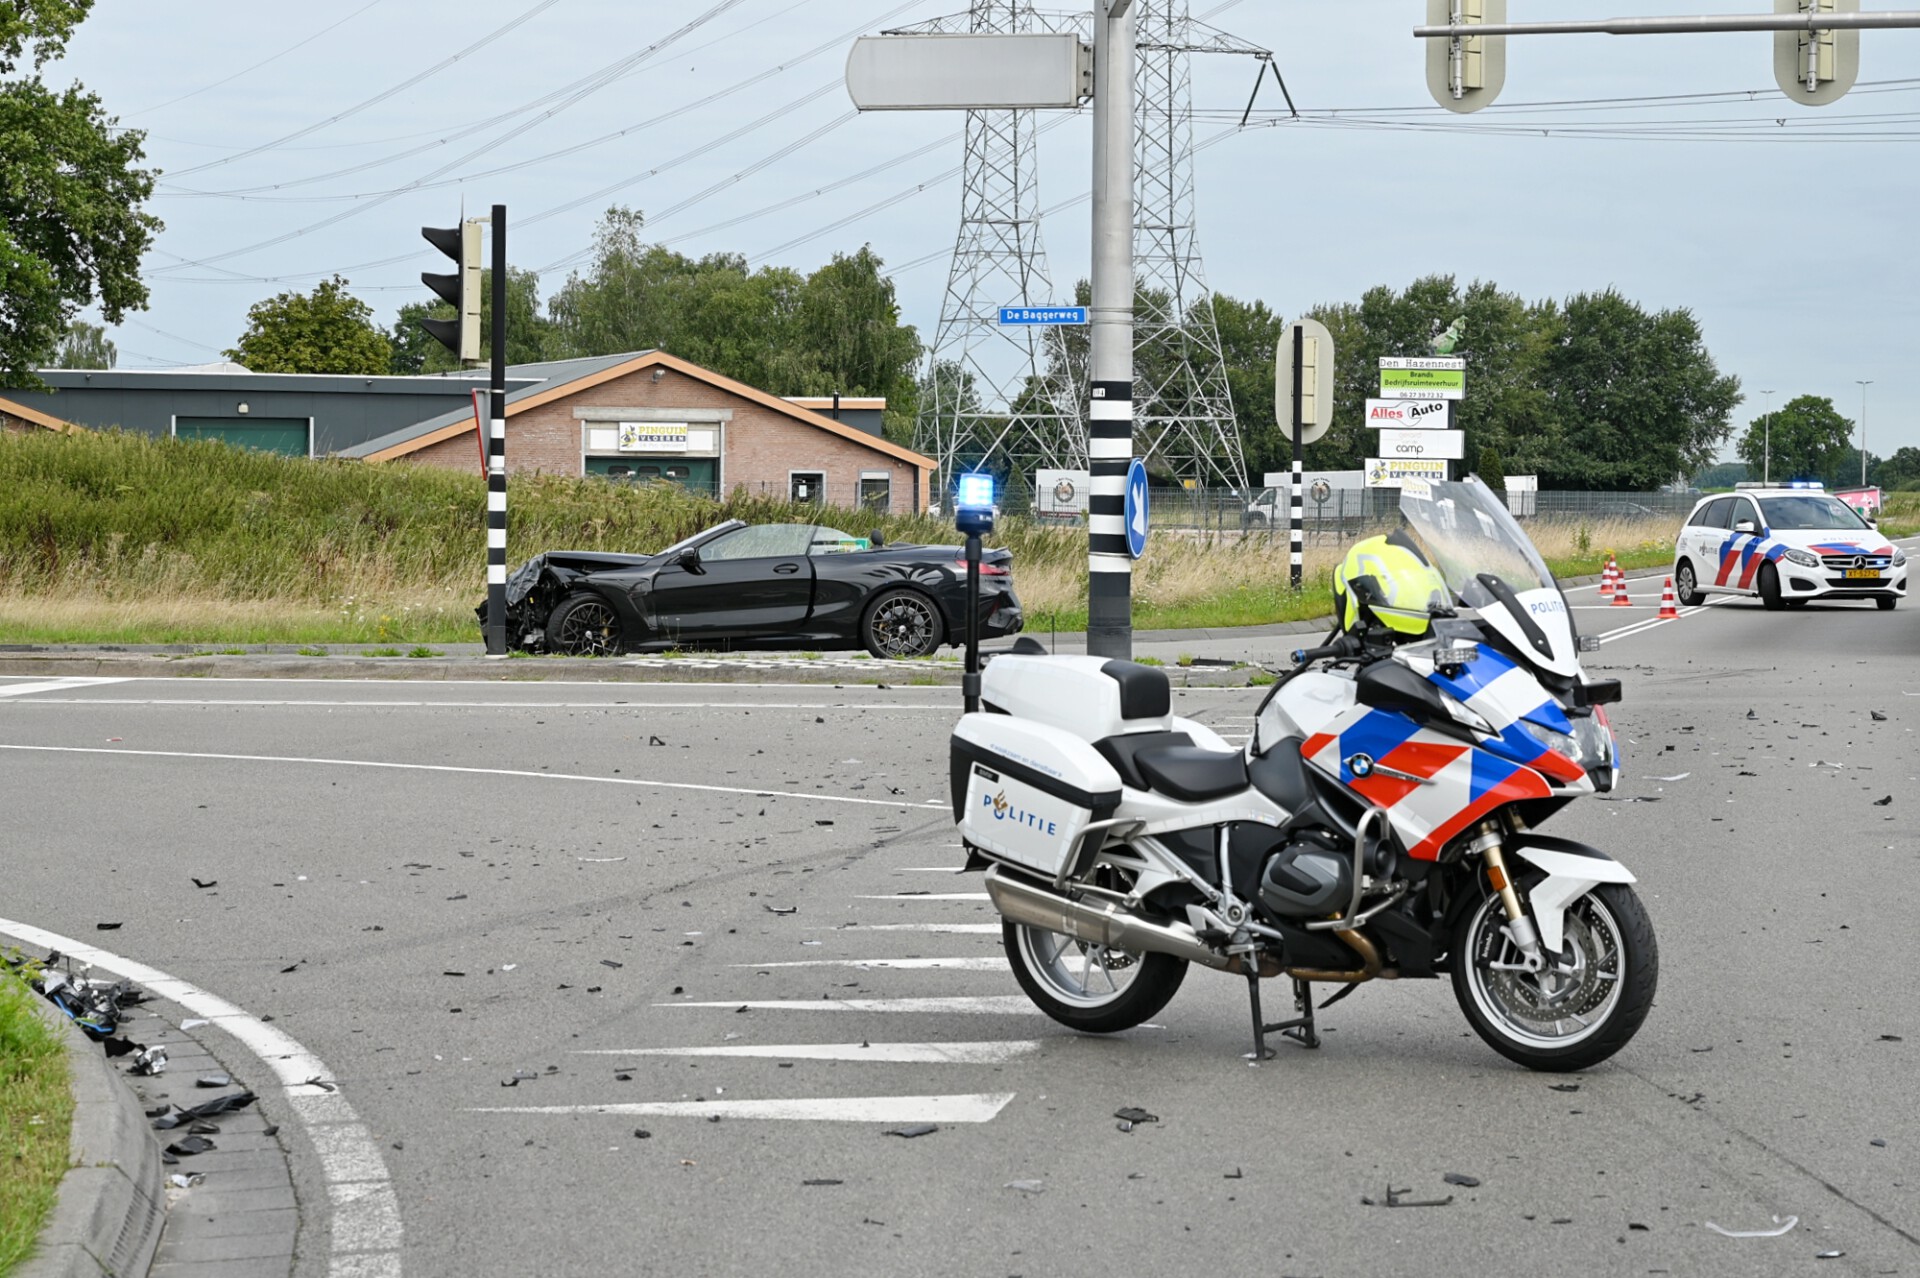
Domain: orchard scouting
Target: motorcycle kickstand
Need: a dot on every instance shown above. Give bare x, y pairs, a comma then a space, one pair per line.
1300, 1029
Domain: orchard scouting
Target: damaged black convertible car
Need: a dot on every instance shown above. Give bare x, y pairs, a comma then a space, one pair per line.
757, 586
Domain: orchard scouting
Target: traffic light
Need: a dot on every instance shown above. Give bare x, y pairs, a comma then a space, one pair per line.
1467, 73
1816, 67
461, 335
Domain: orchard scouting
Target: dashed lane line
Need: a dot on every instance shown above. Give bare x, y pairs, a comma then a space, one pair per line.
990, 1053
976, 1108
364, 1226
927, 896
955, 929
451, 769
52, 685
989, 1004
993, 963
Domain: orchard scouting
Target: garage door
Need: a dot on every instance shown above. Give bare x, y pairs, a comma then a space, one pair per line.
696, 473
284, 435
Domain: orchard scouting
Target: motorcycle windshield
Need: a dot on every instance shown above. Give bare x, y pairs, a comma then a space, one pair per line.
1475, 544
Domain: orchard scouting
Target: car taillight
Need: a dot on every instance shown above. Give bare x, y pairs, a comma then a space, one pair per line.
986, 569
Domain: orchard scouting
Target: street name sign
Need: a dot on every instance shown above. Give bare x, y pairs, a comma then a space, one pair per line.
1036, 315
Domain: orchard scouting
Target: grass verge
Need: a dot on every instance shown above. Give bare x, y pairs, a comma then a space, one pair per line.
36, 1111
116, 538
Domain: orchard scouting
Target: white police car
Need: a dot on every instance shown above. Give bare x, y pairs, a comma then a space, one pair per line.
1786, 543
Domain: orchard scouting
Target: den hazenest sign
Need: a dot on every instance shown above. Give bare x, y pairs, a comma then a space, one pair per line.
1423, 377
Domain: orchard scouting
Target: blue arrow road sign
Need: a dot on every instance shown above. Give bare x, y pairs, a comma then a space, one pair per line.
1014, 315
1136, 508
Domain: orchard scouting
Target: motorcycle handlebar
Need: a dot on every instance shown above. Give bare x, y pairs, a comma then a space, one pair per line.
1341, 647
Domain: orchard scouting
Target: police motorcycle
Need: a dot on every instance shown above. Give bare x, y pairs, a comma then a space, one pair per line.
1381, 823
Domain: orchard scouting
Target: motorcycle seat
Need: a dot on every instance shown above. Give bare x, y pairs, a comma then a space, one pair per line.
1193, 773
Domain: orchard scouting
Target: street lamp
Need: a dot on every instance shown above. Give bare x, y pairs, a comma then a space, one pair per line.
1766, 457
1864, 383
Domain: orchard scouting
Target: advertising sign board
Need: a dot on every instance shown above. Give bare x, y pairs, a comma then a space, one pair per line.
1443, 445
1388, 472
1411, 377
1407, 414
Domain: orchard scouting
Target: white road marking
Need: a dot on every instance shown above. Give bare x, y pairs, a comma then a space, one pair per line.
434, 705
950, 928
51, 685
930, 869
977, 1108
1639, 627
478, 772
927, 896
991, 1004
991, 963
365, 1229
993, 1053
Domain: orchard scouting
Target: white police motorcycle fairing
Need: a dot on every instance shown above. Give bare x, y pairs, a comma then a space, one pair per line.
1379, 825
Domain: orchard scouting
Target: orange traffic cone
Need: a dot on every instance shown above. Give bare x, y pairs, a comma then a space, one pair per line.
1620, 599
1609, 577
1668, 612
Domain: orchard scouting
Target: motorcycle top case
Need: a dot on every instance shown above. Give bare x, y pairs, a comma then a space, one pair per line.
1024, 792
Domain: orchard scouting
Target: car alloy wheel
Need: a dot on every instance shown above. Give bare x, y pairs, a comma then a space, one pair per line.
902, 623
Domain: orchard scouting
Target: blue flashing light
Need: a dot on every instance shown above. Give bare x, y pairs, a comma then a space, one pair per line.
974, 492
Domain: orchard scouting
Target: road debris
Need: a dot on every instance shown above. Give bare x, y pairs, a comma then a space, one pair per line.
205, 883
783, 909
1876, 716
188, 1146
1462, 1179
1393, 1199
914, 1129
185, 1180
1881, 803
1782, 1227
1132, 1114
215, 1079
1027, 1186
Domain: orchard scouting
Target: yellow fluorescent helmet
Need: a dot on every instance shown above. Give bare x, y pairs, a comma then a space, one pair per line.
1407, 585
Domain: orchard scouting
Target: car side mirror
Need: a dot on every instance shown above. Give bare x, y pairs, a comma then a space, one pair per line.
876, 539
690, 559
1743, 526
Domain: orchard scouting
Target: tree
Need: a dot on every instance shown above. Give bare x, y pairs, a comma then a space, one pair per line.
1809, 440
1900, 471
530, 335
329, 331
1249, 335
849, 318
1493, 470
72, 222
85, 346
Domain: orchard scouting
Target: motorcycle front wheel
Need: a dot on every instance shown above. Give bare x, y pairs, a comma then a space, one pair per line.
1093, 988
1579, 1013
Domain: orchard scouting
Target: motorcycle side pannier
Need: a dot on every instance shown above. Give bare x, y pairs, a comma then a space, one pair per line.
1025, 792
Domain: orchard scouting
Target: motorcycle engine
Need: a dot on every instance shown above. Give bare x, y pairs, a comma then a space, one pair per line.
1311, 876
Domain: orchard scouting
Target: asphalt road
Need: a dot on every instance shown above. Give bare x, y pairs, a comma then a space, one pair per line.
589, 884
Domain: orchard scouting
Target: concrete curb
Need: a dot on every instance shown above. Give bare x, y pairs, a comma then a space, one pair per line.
113, 1199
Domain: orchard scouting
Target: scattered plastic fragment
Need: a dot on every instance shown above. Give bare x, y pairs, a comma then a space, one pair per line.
1235, 1174
1462, 1179
106, 927
611, 963
1027, 1186
187, 1146
1891, 1038
1782, 1228
205, 883
1678, 776
519, 1076
215, 1079
1828, 1255
149, 1061
1752, 715
783, 909
192, 1024
1877, 1143
1881, 803
1393, 1199
1132, 1114
913, 1130
1637, 1227
815, 1181
1564, 1087
291, 966
185, 1180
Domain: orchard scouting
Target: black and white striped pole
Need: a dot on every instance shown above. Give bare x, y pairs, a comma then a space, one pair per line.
1302, 397
1110, 411
497, 449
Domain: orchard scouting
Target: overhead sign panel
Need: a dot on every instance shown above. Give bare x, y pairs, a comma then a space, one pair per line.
1388, 472
969, 72
1039, 315
1433, 377
1407, 414
1444, 445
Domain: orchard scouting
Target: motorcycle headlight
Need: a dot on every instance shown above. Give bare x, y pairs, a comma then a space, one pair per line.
1805, 558
1590, 745
1465, 715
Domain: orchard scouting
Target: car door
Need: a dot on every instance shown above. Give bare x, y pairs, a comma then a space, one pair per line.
1748, 532
1705, 537
755, 580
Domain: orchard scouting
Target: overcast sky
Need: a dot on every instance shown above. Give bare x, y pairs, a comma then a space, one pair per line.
1790, 233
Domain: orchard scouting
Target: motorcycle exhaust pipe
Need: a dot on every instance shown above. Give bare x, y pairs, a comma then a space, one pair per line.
1098, 923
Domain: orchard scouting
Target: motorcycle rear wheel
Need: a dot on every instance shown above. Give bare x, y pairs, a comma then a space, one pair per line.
1088, 987
1615, 967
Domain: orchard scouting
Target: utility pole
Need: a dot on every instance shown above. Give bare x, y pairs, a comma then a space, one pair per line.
1110, 416
1864, 383
1766, 454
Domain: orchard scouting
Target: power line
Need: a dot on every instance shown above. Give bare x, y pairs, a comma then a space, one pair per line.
593, 85
382, 96
298, 44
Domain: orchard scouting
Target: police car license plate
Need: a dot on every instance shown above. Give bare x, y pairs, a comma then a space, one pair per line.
1863, 574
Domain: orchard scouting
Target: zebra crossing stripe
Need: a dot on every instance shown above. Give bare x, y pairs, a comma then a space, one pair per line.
978, 1053
981, 1107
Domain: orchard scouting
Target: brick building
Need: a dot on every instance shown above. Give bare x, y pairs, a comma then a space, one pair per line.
651, 415
637, 416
